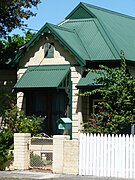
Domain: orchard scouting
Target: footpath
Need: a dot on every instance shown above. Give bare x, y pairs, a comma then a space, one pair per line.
48, 175
28, 175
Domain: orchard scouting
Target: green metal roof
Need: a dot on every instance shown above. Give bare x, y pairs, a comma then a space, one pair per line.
67, 37
92, 33
43, 76
92, 38
71, 41
116, 28
89, 80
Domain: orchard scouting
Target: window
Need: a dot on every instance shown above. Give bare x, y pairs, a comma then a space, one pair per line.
49, 50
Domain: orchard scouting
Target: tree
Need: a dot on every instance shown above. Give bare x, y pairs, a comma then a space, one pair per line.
13, 13
116, 111
10, 46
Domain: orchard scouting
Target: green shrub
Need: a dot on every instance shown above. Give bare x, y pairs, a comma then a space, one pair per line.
116, 111
6, 144
14, 121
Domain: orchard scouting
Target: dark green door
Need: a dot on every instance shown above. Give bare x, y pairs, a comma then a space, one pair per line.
51, 105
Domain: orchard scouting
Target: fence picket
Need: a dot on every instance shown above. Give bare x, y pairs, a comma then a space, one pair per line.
98, 155
80, 154
127, 156
87, 153
111, 156
130, 154
134, 157
123, 160
101, 153
91, 154
94, 155
84, 155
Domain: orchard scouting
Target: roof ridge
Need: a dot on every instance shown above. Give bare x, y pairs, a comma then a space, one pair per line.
82, 19
108, 10
107, 37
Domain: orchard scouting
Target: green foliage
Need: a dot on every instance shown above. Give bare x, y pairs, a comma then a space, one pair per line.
17, 122
9, 47
13, 13
116, 111
14, 121
6, 144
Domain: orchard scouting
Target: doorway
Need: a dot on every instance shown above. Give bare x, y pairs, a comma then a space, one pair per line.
48, 104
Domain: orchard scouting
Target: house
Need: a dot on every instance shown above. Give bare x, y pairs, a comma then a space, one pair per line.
51, 66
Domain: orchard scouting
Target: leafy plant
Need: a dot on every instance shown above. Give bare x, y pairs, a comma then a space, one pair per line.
14, 121
6, 144
17, 122
116, 111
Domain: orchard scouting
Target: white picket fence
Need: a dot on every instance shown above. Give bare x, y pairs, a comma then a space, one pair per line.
107, 156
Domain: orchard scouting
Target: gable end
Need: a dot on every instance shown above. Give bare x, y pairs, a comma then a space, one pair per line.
80, 12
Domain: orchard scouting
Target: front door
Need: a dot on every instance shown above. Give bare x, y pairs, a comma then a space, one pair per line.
51, 105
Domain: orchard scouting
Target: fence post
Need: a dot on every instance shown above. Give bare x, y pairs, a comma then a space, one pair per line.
21, 151
71, 157
58, 144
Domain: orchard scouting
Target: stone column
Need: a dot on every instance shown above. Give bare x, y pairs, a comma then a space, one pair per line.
21, 151
58, 141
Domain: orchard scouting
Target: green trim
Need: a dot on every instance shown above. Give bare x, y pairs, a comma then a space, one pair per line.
70, 98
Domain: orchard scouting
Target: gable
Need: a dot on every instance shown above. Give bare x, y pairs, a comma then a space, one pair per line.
80, 12
67, 37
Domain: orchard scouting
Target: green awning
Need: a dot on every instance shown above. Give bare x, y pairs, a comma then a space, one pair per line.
88, 80
48, 76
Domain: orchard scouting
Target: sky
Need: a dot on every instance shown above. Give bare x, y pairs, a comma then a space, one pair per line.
55, 11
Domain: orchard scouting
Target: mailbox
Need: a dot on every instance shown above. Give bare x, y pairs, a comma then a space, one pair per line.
65, 126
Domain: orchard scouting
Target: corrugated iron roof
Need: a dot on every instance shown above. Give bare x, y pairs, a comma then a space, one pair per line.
71, 41
116, 28
93, 33
43, 76
92, 38
88, 80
